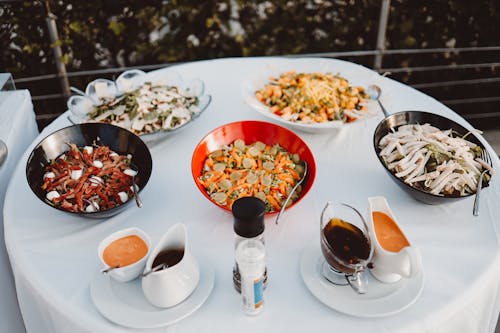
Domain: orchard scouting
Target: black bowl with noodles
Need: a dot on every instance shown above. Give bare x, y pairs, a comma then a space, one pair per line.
116, 138
394, 121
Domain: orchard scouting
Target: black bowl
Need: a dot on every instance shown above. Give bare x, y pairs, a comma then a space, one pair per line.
118, 139
395, 120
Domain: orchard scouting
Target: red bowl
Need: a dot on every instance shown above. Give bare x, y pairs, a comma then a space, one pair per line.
251, 131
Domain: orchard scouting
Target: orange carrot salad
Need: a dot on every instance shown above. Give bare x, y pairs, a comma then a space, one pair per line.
239, 170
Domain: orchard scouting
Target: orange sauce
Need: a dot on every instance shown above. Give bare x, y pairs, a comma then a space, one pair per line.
125, 251
388, 233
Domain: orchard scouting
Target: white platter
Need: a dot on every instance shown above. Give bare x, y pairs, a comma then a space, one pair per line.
80, 105
381, 299
124, 303
357, 75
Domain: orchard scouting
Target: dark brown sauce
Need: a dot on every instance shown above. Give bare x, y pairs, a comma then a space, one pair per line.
344, 241
169, 257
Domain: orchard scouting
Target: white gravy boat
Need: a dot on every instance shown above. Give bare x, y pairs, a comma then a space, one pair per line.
170, 286
390, 265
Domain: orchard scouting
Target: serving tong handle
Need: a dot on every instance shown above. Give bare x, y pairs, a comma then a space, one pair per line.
486, 158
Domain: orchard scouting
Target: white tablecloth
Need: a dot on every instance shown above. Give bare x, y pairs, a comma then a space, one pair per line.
55, 255
17, 129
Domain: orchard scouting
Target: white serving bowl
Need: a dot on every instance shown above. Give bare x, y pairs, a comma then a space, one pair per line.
132, 271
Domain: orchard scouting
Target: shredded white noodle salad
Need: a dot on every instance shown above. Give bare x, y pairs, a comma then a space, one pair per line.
433, 160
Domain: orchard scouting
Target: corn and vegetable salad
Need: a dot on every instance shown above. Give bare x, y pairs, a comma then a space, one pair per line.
313, 98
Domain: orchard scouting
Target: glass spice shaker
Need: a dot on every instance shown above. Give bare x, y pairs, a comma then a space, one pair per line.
248, 213
250, 256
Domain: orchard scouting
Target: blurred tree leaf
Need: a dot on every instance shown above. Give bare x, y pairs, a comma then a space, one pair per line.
76, 27
116, 27
113, 33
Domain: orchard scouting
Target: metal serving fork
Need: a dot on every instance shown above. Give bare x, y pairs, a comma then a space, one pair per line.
485, 157
304, 175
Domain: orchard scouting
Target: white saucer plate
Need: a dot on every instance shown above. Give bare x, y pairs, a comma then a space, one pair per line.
124, 303
381, 299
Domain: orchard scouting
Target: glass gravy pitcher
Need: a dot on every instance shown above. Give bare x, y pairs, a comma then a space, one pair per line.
346, 246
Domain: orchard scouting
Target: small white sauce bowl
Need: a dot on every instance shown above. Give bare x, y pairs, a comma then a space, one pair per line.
132, 271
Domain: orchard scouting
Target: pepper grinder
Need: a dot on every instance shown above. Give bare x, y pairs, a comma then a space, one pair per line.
248, 214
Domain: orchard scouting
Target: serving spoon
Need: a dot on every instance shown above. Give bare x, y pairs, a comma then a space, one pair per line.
107, 270
3, 152
156, 268
374, 92
304, 163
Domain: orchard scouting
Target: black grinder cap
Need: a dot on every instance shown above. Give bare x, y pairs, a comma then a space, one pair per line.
248, 213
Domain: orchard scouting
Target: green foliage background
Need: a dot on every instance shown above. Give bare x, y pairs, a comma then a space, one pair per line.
117, 33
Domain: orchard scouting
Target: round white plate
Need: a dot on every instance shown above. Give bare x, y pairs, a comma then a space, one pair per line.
124, 303
381, 299
356, 74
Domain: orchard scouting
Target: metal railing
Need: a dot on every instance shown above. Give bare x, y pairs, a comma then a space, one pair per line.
378, 56
351, 54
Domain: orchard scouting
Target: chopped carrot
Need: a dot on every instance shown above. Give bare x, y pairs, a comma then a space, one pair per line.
285, 177
273, 202
294, 173
236, 158
282, 189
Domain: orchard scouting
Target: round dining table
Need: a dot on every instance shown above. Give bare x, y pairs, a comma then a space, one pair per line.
55, 260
